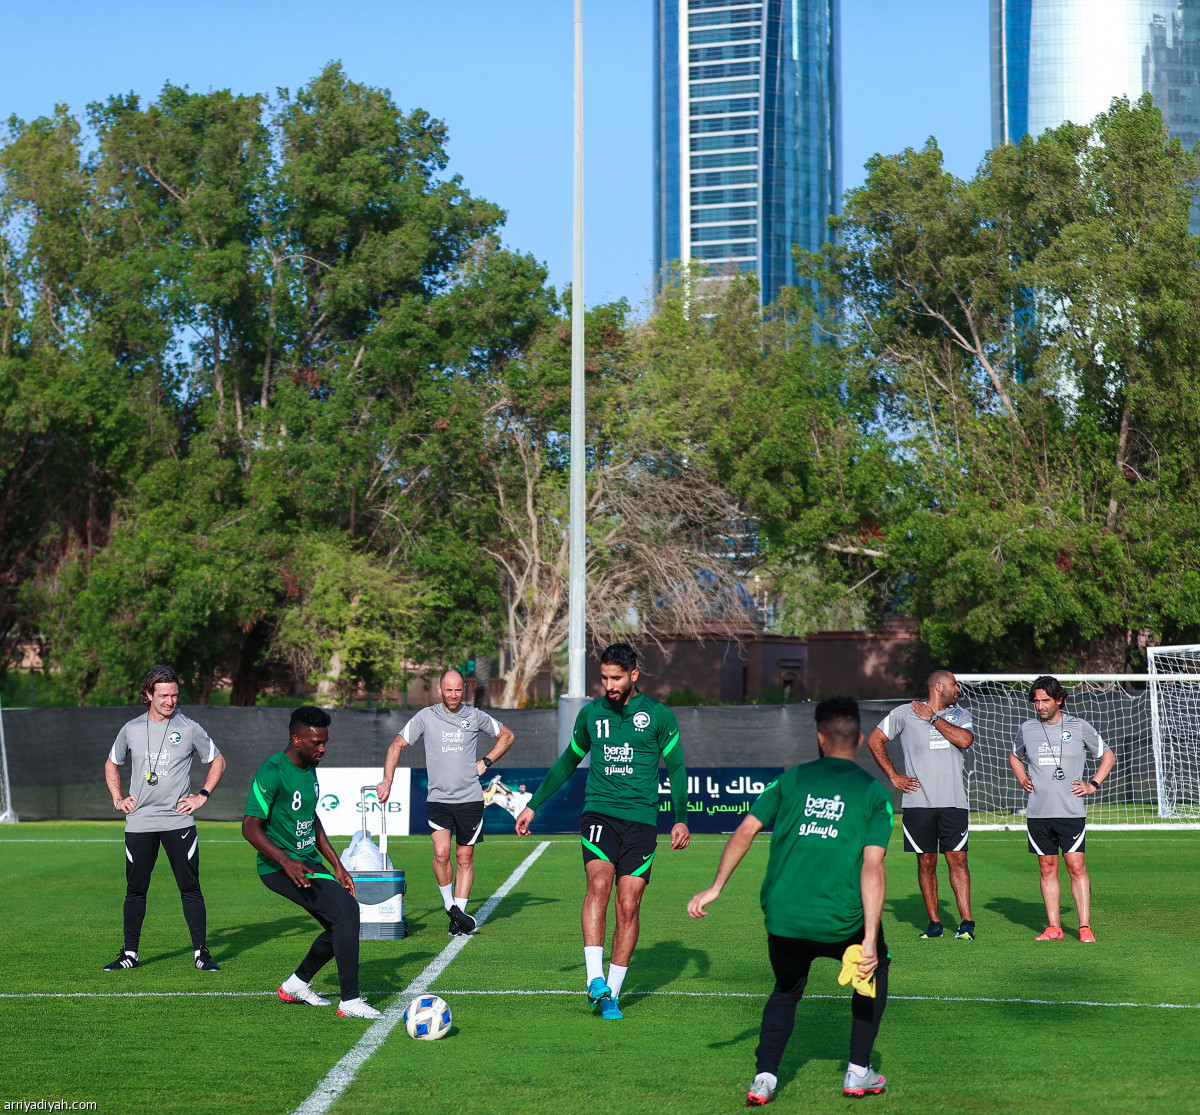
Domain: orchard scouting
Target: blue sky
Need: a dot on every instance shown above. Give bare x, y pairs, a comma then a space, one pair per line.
499, 74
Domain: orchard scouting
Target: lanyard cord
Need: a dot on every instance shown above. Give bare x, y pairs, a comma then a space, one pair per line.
1059, 775
151, 775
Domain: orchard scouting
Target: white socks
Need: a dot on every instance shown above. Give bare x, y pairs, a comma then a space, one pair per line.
461, 903
593, 961
447, 894
859, 1070
294, 983
616, 977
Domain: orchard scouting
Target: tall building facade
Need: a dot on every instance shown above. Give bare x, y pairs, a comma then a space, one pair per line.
747, 133
1059, 60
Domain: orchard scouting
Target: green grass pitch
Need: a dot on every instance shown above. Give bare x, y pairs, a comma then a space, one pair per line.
999, 1024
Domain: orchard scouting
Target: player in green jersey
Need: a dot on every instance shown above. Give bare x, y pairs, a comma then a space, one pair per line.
281, 823
628, 736
822, 894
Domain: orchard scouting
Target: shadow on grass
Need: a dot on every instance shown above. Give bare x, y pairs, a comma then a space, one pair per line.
230, 942
909, 910
662, 965
813, 1039
1030, 915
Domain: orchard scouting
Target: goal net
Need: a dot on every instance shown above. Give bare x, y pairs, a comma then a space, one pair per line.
1151, 721
8, 815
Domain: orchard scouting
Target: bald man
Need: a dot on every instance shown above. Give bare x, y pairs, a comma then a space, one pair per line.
454, 806
934, 735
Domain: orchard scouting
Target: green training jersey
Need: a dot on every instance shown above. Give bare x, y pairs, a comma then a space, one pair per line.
627, 746
285, 796
825, 813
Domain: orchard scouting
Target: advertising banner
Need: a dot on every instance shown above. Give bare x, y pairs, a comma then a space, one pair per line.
340, 806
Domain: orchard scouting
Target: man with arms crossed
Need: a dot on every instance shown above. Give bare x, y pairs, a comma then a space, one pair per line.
628, 735
160, 808
282, 825
455, 802
822, 894
934, 734
1047, 759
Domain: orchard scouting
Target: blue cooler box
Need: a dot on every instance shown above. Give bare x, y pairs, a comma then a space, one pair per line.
380, 893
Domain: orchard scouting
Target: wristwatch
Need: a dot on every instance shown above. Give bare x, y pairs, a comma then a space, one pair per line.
1094, 783
486, 762
932, 717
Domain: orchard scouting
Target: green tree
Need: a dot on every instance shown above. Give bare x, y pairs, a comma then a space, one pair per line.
325, 303
1034, 331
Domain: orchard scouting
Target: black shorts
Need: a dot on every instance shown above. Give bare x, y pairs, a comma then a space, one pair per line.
935, 830
465, 820
1048, 834
628, 845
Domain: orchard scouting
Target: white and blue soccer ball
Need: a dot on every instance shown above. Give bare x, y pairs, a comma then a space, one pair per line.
427, 1018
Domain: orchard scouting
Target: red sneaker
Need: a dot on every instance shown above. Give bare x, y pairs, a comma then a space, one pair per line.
1051, 933
1086, 935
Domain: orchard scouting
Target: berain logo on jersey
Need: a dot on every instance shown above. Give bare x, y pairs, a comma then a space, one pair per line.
641, 720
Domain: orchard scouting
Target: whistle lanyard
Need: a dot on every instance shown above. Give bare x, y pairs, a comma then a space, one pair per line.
152, 774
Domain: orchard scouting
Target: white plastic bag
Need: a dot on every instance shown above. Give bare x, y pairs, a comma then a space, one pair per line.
364, 855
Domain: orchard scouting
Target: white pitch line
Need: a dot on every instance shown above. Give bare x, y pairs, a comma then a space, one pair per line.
338, 1079
413, 989
906, 998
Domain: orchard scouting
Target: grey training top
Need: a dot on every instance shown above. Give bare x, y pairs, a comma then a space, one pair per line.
165, 747
1045, 747
450, 749
930, 757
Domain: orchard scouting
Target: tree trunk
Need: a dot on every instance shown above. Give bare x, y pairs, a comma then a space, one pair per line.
327, 687
248, 677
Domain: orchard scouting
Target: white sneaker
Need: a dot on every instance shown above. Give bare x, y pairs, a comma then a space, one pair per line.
357, 1008
871, 1083
761, 1091
303, 995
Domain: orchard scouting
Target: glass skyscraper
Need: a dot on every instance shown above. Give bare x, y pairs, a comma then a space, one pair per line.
747, 133
1059, 60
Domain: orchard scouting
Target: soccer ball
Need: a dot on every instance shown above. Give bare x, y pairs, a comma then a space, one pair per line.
427, 1018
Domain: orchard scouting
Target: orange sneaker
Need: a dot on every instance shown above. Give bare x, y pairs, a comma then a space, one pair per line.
1086, 935
1051, 933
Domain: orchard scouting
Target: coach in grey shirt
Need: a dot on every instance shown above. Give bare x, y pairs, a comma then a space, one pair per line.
934, 735
1048, 760
160, 745
451, 733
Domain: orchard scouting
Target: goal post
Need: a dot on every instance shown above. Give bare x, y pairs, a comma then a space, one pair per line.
8, 815
1150, 720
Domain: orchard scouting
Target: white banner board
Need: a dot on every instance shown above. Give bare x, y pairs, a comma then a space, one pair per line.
340, 806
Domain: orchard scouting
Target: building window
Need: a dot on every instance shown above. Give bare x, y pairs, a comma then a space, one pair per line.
726, 158
723, 197
725, 104
725, 251
721, 232
725, 88
723, 35
725, 213
724, 124
723, 177
715, 143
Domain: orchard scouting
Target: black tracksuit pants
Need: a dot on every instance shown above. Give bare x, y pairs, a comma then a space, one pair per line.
337, 911
791, 958
183, 853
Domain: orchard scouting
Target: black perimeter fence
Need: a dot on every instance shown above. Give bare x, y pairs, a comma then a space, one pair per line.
56, 755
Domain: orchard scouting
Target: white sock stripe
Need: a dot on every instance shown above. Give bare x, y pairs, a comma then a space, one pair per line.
908, 836
339, 1078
